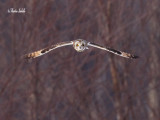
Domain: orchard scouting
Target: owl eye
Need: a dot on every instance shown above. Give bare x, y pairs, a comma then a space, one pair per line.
82, 44
77, 45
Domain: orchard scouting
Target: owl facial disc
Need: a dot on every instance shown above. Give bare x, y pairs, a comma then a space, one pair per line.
80, 45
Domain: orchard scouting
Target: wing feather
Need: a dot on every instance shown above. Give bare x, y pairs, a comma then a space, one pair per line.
117, 52
46, 50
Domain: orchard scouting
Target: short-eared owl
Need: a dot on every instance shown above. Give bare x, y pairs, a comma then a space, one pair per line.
79, 45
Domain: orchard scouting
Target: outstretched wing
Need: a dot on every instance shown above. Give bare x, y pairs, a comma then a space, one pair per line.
120, 53
46, 50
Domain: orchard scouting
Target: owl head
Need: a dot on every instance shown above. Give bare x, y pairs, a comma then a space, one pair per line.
80, 45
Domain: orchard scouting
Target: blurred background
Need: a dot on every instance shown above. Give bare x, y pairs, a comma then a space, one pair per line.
92, 85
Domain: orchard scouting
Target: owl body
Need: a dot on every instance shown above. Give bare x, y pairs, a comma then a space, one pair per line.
80, 45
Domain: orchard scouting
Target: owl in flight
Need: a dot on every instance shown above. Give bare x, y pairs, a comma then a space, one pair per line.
79, 45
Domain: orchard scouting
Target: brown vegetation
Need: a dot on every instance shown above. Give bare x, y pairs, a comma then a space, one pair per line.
92, 85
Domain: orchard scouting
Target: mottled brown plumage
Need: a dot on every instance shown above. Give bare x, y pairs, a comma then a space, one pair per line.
79, 45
